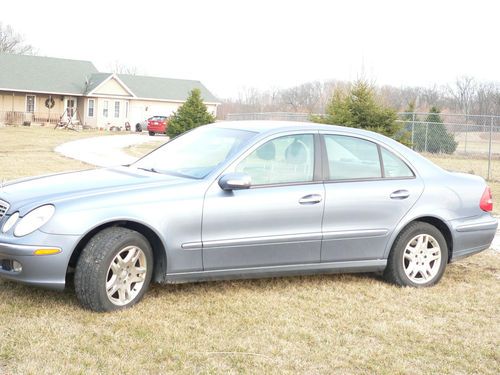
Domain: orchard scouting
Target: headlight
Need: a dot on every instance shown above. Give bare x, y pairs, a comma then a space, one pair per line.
34, 220
10, 222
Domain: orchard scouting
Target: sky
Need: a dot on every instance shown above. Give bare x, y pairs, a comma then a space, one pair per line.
231, 46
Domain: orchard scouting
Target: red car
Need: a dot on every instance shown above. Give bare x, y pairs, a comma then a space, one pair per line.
157, 124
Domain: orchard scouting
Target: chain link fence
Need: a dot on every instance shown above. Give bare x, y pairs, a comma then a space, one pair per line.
458, 142
465, 143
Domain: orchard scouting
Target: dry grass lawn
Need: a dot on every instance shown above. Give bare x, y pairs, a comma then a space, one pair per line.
28, 151
336, 324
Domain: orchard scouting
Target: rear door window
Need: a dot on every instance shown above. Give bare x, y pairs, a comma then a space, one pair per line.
352, 158
394, 167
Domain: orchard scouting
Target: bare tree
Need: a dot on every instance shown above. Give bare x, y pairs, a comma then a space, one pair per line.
463, 93
120, 68
465, 96
487, 99
13, 42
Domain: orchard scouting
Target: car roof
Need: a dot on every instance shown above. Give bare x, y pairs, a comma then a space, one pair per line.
274, 126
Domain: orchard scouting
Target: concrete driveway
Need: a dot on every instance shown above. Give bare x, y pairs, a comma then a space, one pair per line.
106, 151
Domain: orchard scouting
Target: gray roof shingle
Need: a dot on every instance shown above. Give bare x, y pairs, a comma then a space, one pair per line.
44, 74
77, 77
95, 80
165, 88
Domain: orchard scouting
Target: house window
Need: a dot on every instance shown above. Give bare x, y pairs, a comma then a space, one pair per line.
117, 109
105, 109
91, 108
30, 103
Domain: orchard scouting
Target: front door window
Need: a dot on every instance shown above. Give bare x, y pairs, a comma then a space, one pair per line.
282, 160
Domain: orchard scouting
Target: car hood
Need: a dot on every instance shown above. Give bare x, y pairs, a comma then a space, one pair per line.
63, 186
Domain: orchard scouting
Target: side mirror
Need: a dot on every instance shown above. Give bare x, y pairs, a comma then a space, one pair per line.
235, 181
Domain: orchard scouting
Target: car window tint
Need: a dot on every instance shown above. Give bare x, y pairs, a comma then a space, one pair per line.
352, 158
394, 166
282, 160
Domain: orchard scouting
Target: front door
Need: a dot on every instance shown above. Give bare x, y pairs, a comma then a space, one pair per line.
69, 107
275, 222
368, 190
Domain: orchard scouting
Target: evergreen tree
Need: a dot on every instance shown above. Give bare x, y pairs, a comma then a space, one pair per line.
432, 136
410, 124
359, 108
190, 115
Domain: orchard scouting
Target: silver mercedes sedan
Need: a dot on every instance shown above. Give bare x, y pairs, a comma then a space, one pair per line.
240, 200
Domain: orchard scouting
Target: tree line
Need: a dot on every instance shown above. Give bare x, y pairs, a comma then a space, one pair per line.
466, 96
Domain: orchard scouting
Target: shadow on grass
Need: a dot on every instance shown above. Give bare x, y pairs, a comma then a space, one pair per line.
27, 295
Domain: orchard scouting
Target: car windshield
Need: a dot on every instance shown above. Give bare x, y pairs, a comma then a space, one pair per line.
195, 154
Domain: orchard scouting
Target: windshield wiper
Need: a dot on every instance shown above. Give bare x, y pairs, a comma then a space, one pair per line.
148, 169
164, 171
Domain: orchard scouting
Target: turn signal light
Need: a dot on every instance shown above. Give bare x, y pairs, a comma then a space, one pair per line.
46, 251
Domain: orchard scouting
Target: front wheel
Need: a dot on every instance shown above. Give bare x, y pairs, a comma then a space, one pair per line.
418, 257
114, 270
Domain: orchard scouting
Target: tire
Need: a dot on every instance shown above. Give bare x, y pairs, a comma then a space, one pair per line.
138, 128
105, 279
418, 257
151, 133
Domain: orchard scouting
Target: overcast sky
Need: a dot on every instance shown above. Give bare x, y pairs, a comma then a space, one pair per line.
232, 45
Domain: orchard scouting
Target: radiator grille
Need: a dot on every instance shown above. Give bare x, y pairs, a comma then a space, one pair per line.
4, 206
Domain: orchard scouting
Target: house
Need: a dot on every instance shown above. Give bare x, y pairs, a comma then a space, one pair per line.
47, 90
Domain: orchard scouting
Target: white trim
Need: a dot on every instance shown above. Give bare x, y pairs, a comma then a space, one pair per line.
93, 107
173, 101
120, 97
26, 103
104, 96
42, 92
120, 82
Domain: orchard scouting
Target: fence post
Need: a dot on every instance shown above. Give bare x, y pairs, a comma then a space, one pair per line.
426, 131
489, 148
466, 133
413, 131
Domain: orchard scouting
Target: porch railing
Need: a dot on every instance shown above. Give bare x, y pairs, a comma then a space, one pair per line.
27, 118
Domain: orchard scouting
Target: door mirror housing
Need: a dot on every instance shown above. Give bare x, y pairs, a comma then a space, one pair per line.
235, 181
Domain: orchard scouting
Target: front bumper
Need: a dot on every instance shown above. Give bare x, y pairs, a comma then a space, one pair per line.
472, 235
42, 270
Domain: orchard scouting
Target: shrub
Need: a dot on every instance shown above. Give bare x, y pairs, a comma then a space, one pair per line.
359, 107
190, 115
432, 136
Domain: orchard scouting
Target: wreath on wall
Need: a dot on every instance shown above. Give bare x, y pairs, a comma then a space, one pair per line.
49, 103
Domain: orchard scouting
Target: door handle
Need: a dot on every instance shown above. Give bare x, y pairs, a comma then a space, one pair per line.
310, 199
400, 194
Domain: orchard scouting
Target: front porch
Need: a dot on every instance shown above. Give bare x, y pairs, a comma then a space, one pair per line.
28, 118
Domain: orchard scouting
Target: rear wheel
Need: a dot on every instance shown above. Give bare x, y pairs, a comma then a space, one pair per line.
151, 133
418, 257
114, 270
